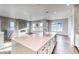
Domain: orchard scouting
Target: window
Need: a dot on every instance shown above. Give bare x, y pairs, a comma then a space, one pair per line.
37, 27
57, 26
12, 25
25, 29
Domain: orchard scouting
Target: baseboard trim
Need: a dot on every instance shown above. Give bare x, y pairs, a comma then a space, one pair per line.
62, 35
54, 48
77, 48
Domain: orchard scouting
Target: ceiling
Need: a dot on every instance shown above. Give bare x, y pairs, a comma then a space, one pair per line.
34, 11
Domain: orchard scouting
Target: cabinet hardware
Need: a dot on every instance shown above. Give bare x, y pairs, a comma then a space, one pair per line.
43, 48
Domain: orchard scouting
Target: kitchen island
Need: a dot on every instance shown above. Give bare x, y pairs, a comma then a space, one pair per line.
34, 44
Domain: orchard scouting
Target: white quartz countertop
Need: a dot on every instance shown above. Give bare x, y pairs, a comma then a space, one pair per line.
34, 41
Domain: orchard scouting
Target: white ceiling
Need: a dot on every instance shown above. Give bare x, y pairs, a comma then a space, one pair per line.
34, 11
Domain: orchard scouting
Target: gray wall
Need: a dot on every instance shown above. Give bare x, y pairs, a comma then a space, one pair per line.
21, 23
5, 23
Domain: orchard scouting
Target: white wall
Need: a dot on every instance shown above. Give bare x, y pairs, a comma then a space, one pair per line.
76, 17
71, 30
65, 27
71, 25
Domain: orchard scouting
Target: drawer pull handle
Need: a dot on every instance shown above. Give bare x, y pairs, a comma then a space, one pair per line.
43, 48
46, 51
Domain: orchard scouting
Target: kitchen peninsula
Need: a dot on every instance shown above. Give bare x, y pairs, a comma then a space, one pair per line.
34, 44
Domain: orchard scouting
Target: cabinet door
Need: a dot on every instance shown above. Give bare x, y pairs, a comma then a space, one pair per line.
49, 47
77, 41
52, 45
43, 50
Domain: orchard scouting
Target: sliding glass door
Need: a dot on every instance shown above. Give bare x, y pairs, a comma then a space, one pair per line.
37, 27
56, 26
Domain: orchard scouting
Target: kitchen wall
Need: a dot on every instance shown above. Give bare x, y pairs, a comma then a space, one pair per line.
76, 18
71, 29
4, 24
71, 25
21, 23
47, 25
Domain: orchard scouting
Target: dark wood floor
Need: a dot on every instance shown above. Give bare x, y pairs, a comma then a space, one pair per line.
64, 46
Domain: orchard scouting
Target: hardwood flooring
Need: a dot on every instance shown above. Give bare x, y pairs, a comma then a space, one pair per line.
64, 46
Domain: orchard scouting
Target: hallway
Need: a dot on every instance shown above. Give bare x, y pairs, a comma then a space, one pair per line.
64, 46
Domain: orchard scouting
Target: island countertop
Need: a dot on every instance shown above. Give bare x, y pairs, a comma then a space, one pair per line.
34, 41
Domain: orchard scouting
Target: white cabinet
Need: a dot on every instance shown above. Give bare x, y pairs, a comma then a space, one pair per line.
77, 40
48, 47
1, 39
43, 50
52, 45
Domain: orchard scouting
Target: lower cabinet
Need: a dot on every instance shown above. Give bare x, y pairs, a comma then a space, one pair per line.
43, 50
48, 47
77, 41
